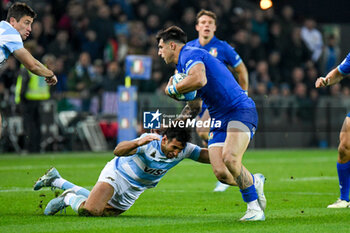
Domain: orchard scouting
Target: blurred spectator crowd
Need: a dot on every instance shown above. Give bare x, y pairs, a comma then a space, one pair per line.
90, 40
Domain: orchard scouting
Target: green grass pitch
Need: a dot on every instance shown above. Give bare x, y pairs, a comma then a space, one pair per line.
300, 184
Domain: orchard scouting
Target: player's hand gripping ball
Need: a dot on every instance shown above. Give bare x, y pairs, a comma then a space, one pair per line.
178, 77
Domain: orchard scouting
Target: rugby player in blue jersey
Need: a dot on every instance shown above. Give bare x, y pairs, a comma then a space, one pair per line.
227, 103
206, 27
139, 165
343, 164
13, 31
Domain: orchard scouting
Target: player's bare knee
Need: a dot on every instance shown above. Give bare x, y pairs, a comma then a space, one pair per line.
90, 211
221, 175
231, 161
344, 152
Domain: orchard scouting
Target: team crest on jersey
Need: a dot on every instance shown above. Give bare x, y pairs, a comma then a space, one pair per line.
214, 52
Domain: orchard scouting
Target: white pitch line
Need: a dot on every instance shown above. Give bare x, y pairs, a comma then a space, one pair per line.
27, 189
34, 167
318, 178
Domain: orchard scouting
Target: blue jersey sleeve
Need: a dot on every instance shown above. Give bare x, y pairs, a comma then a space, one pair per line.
193, 58
344, 67
231, 56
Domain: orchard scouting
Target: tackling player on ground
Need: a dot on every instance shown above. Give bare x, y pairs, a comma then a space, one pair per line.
139, 165
343, 164
228, 103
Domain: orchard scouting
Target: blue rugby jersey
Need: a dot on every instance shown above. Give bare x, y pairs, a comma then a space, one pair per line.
222, 51
10, 40
344, 67
219, 49
149, 164
222, 94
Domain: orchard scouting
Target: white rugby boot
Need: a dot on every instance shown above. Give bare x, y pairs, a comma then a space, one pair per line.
57, 203
253, 215
220, 187
339, 204
47, 179
259, 181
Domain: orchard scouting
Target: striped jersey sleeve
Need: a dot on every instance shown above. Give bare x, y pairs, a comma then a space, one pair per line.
10, 40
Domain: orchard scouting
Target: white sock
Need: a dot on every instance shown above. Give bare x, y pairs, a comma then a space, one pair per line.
254, 205
68, 197
58, 183
74, 201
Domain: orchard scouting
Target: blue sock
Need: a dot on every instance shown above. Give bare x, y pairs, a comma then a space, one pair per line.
344, 180
67, 185
84, 192
249, 194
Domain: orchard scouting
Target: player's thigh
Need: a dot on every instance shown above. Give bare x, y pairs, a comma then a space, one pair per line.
98, 198
236, 142
344, 145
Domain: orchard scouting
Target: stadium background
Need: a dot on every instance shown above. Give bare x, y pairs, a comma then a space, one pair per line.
90, 40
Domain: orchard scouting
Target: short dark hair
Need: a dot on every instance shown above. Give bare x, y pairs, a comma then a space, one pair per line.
207, 13
181, 134
19, 10
172, 33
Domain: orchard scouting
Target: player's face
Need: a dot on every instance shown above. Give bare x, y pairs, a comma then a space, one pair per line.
23, 26
206, 26
172, 148
165, 51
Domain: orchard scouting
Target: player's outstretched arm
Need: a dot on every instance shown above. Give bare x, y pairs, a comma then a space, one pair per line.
332, 78
203, 156
130, 147
242, 73
35, 66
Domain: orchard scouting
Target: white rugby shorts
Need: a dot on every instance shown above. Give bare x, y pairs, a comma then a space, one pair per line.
125, 194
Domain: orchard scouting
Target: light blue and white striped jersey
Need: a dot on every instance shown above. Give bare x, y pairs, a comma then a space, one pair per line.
149, 164
10, 40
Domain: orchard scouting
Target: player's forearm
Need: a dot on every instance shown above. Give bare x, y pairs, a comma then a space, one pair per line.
242, 74
126, 148
204, 156
334, 77
191, 83
39, 69
195, 79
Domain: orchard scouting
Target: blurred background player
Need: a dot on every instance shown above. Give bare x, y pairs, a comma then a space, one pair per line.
206, 26
343, 164
13, 31
228, 104
139, 165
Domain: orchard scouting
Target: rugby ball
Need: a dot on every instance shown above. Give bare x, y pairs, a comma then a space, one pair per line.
178, 77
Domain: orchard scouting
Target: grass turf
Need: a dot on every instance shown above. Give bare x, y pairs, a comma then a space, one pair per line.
300, 184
